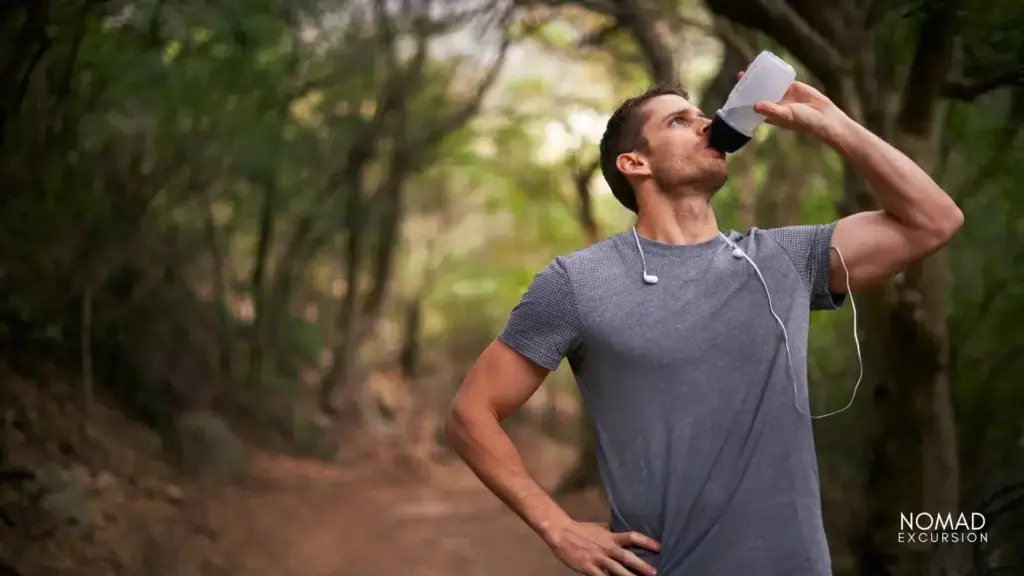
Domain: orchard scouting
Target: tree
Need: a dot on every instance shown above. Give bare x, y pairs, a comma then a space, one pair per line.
232, 148
406, 92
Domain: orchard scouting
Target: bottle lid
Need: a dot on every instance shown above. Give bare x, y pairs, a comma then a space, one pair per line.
724, 137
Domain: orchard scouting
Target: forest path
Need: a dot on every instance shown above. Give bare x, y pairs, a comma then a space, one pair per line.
315, 519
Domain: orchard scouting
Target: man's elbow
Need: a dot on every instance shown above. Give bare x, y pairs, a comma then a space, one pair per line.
460, 420
455, 422
943, 227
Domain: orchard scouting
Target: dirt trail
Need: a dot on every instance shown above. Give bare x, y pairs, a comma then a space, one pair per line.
320, 520
373, 516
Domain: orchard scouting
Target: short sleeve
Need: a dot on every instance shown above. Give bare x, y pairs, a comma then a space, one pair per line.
545, 324
809, 247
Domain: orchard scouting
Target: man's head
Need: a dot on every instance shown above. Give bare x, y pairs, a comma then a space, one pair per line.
659, 136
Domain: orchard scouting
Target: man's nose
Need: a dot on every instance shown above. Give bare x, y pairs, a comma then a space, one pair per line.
705, 126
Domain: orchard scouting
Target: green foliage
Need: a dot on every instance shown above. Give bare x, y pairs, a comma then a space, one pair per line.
992, 36
183, 128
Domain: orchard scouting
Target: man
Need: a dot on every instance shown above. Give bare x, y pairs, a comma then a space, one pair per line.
703, 436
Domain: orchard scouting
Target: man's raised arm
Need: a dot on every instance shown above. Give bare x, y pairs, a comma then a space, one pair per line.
499, 383
916, 218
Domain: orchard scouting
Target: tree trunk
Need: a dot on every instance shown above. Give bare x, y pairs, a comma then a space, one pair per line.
85, 347
792, 160
642, 28
390, 208
219, 289
346, 316
409, 354
260, 349
912, 449
581, 178
31, 45
739, 47
257, 281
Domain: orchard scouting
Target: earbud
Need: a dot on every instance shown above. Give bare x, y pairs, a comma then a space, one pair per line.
649, 279
736, 251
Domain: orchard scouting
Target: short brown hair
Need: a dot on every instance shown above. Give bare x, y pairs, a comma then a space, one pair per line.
624, 133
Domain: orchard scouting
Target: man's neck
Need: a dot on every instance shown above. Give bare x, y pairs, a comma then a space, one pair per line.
683, 220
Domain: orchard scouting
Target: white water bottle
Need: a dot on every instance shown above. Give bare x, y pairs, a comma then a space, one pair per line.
767, 78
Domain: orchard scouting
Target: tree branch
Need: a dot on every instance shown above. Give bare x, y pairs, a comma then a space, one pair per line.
598, 37
581, 177
779, 20
657, 55
603, 7
740, 48
473, 103
969, 90
933, 58
737, 39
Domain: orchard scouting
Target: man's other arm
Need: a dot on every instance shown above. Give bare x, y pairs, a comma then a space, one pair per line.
916, 219
499, 383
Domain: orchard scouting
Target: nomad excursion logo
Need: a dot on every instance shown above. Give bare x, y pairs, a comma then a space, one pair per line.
928, 527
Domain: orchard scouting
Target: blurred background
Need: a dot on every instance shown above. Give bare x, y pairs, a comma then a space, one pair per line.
250, 248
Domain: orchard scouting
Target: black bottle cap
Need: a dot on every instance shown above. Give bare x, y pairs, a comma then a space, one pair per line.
724, 137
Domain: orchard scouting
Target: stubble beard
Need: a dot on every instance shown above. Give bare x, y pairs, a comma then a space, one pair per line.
706, 182
716, 175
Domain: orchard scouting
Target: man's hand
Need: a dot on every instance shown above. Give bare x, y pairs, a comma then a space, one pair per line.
802, 109
594, 550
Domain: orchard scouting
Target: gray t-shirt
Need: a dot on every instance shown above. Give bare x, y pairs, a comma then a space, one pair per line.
699, 442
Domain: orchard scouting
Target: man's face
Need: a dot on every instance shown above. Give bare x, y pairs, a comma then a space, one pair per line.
676, 152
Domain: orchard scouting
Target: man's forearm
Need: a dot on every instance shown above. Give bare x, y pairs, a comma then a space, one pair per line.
902, 188
479, 439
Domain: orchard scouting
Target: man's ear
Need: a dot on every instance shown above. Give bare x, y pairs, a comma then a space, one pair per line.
633, 164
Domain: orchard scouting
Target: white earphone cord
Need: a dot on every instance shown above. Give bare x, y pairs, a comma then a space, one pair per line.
739, 253
648, 278
785, 336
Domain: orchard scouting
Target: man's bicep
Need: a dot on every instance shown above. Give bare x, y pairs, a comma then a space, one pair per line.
501, 380
874, 248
